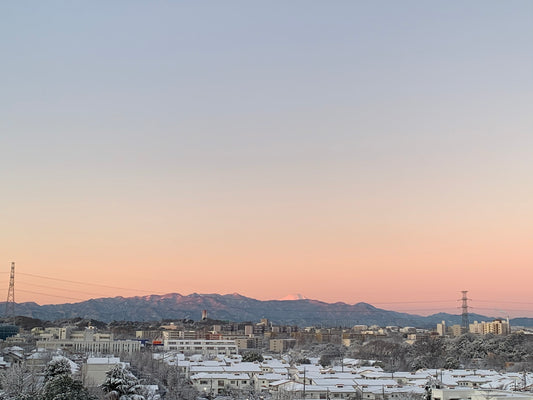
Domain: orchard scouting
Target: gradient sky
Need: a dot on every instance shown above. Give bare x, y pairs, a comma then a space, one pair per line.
377, 151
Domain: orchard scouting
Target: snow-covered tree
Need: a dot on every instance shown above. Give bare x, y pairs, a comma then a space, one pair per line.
59, 384
58, 366
19, 383
121, 384
64, 387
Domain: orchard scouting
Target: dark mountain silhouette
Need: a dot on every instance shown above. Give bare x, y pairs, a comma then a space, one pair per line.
234, 307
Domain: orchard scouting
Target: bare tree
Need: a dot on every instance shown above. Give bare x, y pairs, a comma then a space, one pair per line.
20, 383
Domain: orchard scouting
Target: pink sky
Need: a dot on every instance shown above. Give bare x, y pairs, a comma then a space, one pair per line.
349, 153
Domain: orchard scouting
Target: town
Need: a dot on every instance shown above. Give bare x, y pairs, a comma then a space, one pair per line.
210, 359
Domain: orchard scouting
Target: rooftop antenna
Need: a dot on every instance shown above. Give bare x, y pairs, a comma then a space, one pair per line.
464, 315
10, 302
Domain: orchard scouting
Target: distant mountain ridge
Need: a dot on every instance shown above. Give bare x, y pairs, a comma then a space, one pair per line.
238, 308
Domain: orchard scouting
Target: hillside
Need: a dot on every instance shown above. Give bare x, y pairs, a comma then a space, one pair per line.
234, 307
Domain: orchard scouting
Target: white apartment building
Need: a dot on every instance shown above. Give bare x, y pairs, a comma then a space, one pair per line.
201, 346
93, 346
87, 340
218, 383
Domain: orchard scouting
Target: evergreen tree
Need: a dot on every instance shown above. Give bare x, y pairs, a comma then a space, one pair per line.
64, 387
59, 384
58, 366
121, 384
252, 356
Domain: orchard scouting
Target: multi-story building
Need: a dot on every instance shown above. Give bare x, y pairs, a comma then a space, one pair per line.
88, 340
281, 345
91, 346
456, 330
476, 328
201, 346
150, 334
441, 329
496, 327
218, 383
249, 342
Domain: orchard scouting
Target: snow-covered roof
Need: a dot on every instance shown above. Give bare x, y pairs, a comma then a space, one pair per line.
376, 382
280, 382
221, 375
103, 360
282, 371
270, 377
243, 367
330, 382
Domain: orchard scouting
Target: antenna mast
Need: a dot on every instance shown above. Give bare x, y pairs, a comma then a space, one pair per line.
10, 303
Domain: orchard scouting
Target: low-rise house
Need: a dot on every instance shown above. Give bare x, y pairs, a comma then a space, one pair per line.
476, 394
220, 383
262, 382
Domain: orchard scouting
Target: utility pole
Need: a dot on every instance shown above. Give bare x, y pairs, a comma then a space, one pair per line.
304, 382
10, 302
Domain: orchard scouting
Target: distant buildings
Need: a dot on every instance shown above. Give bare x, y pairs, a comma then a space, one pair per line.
201, 346
496, 327
281, 345
87, 340
441, 329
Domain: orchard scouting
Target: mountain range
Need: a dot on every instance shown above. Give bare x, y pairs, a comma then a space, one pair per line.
238, 308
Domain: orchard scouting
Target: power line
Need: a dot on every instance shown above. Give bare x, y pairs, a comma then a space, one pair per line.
23, 283
498, 309
83, 283
48, 294
151, 292
509, 302
415, 302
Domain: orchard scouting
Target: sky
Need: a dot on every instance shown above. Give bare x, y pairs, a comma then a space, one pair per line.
375, 151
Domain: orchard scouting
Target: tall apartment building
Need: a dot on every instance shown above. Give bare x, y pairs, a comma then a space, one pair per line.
496, 327
441, 328
456, 330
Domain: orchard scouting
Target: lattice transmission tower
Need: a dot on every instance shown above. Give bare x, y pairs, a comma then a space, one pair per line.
10, 303
464, 314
